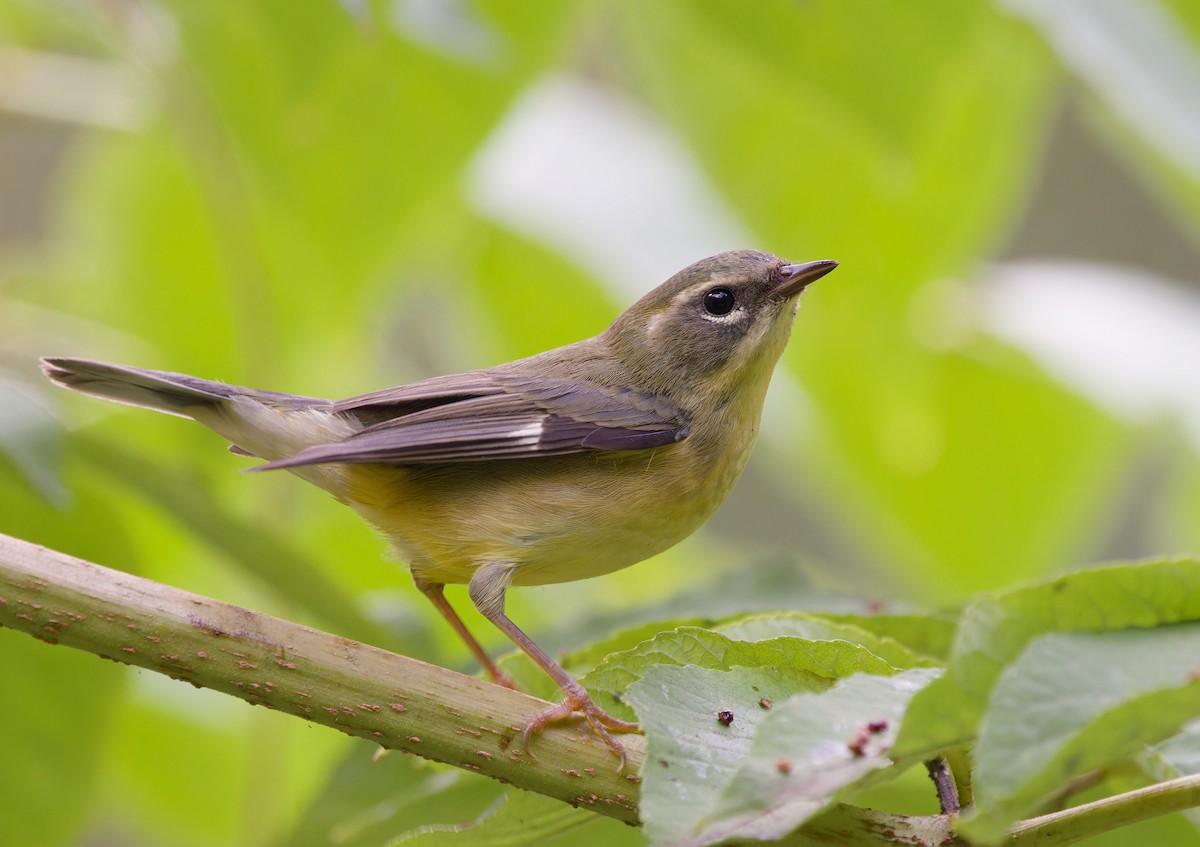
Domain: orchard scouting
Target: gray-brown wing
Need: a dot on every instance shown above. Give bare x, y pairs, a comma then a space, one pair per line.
484, 416
396, 402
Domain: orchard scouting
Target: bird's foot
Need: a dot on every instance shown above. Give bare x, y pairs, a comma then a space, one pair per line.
578, 700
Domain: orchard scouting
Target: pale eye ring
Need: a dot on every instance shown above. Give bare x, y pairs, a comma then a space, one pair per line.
719, 301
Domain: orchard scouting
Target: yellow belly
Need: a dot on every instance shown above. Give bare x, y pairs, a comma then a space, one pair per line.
555, 519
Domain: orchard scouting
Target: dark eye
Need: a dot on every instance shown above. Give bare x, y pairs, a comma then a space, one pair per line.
719, 301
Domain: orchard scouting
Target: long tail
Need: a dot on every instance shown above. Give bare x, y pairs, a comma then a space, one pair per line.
166, 392
256, 423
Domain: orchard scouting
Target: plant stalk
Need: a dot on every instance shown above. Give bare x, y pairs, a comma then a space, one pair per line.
404, 704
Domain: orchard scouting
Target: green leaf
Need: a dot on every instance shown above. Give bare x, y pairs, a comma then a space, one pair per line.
533, 680
1177, 756
56, 707
705, 67
163, 724
920, 441
996, 629
531, 274
1074, 703
762, 627
522, 818
677, 640
284, 165
369, 800
626, 639
30, 439
797, 664
930, 634
694, 755
807, 750
340, 172
690, 753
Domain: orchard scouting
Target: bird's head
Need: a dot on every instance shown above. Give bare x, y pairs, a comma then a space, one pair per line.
715, 328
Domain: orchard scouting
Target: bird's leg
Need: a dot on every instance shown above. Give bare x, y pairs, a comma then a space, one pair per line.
487, 589
577, 699
433, 590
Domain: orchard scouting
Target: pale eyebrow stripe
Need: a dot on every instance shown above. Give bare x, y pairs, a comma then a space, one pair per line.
691, 290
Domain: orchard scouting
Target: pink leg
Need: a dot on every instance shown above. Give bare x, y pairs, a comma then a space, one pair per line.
433, 590
577, 699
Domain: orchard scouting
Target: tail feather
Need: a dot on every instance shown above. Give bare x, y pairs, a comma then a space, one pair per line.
258, 423
166, 392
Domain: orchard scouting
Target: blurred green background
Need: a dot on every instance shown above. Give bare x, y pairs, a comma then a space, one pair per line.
1001, 381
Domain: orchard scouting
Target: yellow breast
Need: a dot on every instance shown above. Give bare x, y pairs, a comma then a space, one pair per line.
556, 519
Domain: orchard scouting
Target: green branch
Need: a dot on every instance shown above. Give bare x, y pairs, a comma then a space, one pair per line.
1075, 824
391, 700
404, 704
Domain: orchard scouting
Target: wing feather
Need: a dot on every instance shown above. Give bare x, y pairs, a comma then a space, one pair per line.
488, 415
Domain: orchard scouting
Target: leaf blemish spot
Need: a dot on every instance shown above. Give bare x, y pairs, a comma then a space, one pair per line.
858, 745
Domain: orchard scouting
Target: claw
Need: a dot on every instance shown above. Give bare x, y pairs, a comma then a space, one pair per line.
577, 699
599, 720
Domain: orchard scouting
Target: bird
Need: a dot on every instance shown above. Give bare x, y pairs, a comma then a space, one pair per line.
562, 466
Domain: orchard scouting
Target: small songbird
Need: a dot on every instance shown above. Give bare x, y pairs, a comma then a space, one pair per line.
565, 465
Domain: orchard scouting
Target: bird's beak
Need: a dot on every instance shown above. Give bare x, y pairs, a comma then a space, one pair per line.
796, 278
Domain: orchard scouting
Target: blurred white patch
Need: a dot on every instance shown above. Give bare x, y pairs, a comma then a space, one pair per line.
447, 25
1137, 57
787, 410
71, 89
1127, 339
596, 177
359, 9
941, 314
